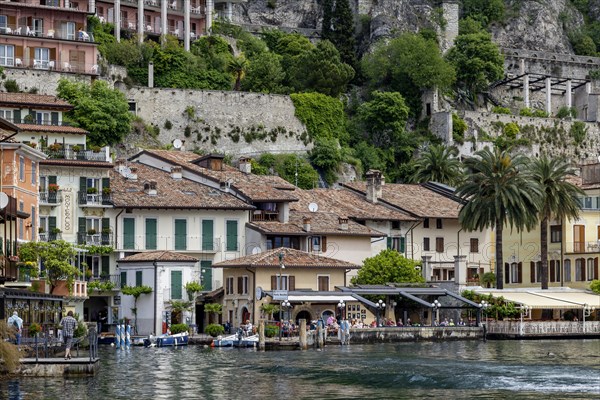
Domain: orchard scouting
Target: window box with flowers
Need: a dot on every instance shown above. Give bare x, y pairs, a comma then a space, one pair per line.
92, 190
55, 147
53, 188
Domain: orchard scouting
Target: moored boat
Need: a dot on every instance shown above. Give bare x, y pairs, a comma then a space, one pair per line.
226, 341
178, 339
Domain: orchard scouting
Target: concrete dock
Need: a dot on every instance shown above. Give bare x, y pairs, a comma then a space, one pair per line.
59, 366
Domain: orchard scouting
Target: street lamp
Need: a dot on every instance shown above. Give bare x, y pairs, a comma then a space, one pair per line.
587, 311
280, 288
286, 304
342, 307
484, 306
379, 306
524, 311
436, 307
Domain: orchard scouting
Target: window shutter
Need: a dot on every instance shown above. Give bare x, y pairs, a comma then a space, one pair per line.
520, 272
206, 271
180, 234
150, 234
232, 236
82, 190
552, 271
17, 116
105, 183
506, 273
176, 284
105, 265
240, 284
389, 242
54, 118
207, 234
123, 279
402, 244
138, 278
51, 224
596, 268
532, 272
105, 223
128, 233
273, 282
583, 268
291, 282
52, 180
81, 232
323, 244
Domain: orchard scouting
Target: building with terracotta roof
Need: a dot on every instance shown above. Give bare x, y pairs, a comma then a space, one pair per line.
448, 252
49, 35
308, 280
166, 272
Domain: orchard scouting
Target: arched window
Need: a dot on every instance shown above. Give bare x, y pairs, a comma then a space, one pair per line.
567, 270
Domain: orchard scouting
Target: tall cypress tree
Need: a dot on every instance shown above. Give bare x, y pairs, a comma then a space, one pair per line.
342, 35
326, 31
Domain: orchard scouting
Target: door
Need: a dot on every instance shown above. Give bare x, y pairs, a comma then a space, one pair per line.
77, 60
578, 238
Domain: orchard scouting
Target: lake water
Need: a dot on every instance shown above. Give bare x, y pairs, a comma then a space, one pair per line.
470, 369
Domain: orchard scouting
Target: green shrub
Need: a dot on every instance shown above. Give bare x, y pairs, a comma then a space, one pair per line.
578, 131
511, 130
459, 127
179, 328
168, 125
214, 330
323, 115
526, 112
11, 86
565, 112
501, 110
271, 331
540, 114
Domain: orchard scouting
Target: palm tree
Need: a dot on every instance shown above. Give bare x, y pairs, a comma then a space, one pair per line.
438, 164
237, 67
559, 199
498, 190
213, 308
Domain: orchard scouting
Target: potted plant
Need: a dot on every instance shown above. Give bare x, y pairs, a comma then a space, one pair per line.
56, 231
55, 146
53, 187
41, 230
34, 329
92, 190
96, 149
105, 231
76, 148
91, 231
106, 190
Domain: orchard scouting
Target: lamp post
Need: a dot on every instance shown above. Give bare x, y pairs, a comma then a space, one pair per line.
286, 305
587, 311
484, 306
280, 288
342, 307
436, 307
379, 306
524, 311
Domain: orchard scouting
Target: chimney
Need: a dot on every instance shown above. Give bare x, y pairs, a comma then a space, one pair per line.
244, 165
120, 165
343, 223
182, 148
306, 224
375, 182
132, 176
176, 172
150, 188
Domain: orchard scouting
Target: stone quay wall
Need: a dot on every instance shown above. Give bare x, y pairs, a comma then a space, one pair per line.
414, 334
514, 329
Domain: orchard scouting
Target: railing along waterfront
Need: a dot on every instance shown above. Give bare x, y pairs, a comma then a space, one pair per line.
542, 328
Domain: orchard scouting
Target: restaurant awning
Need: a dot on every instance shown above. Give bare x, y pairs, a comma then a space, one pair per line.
548, 300
319, 298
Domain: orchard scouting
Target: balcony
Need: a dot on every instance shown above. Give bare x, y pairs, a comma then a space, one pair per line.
50, 198
49, 236
69, 154
51, 65
114, 279
583, 247
94, 239
264, 215
94, 199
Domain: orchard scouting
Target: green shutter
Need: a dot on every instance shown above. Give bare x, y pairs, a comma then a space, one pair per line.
54, 118
402, 244
389, 242
150, 234
138, 278
52, 180
128, 233
176, 284
82, 190
180, 234
206, 273
81, 233
105, 266
232, 236
16, 116
123, 279
52, 223
207, 234
105, 223
106, 198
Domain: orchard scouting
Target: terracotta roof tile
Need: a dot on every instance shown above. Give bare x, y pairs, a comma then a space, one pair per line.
158, 256
291, 259
52, 128
348, 204
414, 199
257, 188
36, 99
171, 193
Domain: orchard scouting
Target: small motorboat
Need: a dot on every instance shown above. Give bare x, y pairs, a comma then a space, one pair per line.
178, 339
226, 341
106, 338
248, 341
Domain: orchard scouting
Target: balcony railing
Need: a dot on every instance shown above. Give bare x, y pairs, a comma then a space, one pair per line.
69, 154
96, 239
51, 65
115, 279
49, 236
94, 199
583, 247
263, 215
51, 198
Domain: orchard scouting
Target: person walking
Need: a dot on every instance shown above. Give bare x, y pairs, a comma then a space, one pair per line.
68, 324
17, 323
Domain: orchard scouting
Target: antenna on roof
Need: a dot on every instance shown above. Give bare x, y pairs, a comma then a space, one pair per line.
177, 143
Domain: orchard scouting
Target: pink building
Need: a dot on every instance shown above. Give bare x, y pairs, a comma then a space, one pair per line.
47, 35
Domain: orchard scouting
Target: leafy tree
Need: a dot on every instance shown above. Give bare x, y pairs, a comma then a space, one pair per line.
136, 292
389, 266
265, 74
322, 115
595, 286
321, 70
57, 257
559, 199
290, 164
338, 28
370, 156
438, 164
459, 127
498, 190
326, 155
102, 111
484, 11
583, 45
477, 60
9, 352
384, 118
237, 67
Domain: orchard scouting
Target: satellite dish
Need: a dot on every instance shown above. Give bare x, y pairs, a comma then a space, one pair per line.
177, 143
313, 207
259, 293
3, 200
126, 172
256, 250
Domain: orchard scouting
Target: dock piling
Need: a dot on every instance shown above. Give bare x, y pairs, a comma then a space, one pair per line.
303, 341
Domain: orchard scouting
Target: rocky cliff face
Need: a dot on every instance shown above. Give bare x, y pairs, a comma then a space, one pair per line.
534, 25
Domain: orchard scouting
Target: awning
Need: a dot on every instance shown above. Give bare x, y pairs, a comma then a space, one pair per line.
554, 300
319, 298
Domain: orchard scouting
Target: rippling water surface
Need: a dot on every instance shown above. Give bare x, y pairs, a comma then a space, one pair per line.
492, 370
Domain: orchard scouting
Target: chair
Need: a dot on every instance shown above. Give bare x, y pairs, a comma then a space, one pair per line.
94, 69
29, 32
85, 36
7, 30
173, 5
130, 25
101, 18
192, 35
18, 30
50, 65
149, 28
176, 32
50, 33
18, 62
37, 64
66, 66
